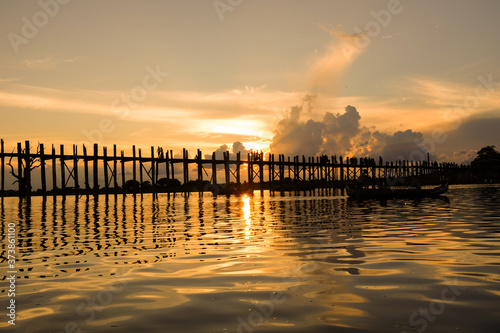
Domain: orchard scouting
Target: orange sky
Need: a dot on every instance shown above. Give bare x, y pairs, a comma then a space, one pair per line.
192, 75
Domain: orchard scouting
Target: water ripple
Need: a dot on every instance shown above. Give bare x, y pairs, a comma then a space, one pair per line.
258, 263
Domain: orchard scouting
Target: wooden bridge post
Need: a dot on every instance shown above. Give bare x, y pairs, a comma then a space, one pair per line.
250, 168
341, 162
63, 171
159, 159
167, 167
115, 169
289, 168
326, 171
20, 169
54, 172
185, 166
134, 170
105, 164
350, 168
86, 170
332, 171
307, 166
303, 168
374, 172
214, 169
95, 168
312, 174
27, 169
2, 171
238, 163
322, 169
42, 170
314, 169
380, 166
200, 169
226, 169
283, 165
75, 170
122, 161
335, 172
270, 168
153, 172
172, 164
140, 170
319, 169
281, 169
311, 168
296, 168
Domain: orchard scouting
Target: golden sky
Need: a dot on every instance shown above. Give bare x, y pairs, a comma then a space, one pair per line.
201, 74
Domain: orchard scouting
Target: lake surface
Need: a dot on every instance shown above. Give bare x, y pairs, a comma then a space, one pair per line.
261, 263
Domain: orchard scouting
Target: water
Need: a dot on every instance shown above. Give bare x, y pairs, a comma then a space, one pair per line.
255, 264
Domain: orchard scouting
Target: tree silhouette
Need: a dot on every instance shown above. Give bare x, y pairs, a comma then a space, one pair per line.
21, 178
488, 163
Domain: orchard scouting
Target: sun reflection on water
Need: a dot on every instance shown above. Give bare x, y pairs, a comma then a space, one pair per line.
338, 263
247, 213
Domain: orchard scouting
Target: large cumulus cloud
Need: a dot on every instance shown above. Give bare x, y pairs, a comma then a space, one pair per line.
342, 134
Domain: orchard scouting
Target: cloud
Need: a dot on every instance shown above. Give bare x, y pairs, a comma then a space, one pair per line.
401, 145
296, 137
49, 62
435, 100
219, 152
246, 105
342, 134
236, 147
239, 147
246, 114
8, 80
472, 134
334, 134
477, 130
326, 67
464, 156
340, 129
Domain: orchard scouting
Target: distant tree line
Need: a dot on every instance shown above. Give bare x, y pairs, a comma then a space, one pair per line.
488, 163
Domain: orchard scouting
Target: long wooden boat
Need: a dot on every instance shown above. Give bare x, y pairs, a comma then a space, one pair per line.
395, 193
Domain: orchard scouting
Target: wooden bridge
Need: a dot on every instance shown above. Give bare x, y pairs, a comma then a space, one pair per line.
104, 172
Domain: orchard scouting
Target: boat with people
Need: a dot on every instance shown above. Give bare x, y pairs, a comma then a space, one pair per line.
356, 192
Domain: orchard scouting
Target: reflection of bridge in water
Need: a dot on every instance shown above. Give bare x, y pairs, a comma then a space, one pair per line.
59, 237
105, 173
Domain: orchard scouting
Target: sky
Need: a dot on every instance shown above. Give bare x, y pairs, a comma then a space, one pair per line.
397, 79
